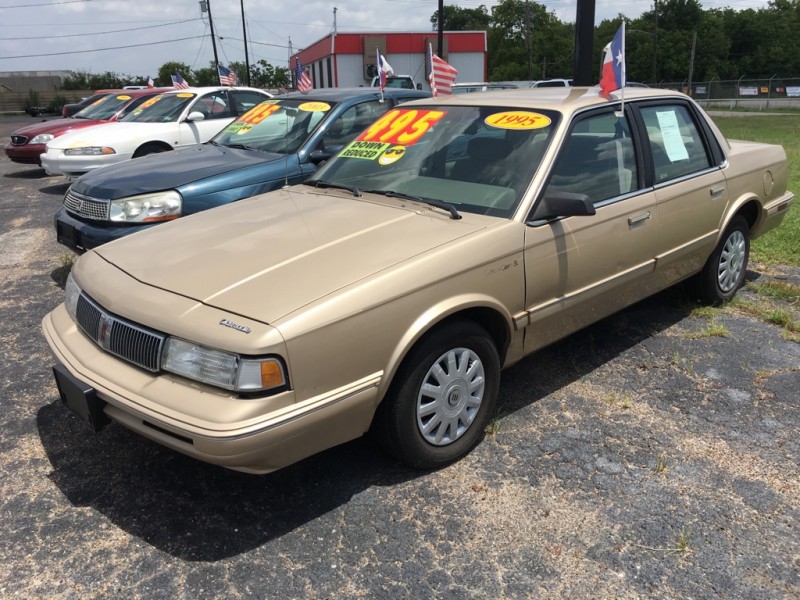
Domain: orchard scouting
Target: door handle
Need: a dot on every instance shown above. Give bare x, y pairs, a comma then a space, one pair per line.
716, 191
639, 218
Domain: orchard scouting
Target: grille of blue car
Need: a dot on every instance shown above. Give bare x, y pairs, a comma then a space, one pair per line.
86, 206
121, 338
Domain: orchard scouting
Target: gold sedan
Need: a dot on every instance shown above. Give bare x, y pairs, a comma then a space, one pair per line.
450, 239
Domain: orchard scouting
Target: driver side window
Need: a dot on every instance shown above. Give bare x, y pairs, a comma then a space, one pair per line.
597, 159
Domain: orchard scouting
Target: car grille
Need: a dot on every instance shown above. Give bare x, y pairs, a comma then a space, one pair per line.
19, 140
126, 340
86, 206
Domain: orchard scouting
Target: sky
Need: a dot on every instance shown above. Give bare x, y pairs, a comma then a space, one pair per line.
135, 37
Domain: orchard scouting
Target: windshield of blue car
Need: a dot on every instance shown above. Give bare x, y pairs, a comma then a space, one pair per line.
280, 126
164, 108
477, 159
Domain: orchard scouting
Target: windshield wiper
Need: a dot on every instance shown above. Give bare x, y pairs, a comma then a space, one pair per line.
437, 203
321, 183
240, 146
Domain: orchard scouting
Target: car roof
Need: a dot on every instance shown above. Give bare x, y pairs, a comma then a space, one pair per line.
561, 99
342, 94
212, 88
141, 92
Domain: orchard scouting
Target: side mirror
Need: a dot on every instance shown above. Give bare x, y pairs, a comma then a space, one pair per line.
563, 204
320, 156
196, 116
419, 86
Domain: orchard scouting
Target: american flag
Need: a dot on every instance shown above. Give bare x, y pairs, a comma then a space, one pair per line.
440, 74
178, 81
226, 76
303, 80
150, 82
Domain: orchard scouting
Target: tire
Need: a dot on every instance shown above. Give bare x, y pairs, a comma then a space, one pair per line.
150, 149
723, 273
441, 398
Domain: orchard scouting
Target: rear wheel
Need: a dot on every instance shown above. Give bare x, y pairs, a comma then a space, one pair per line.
723, 273
441, 398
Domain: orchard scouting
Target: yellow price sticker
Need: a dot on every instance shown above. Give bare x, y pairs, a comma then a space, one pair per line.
314, 106
517, 119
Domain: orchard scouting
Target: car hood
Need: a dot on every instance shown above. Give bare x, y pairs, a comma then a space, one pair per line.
167, 170
270, 255
56, 126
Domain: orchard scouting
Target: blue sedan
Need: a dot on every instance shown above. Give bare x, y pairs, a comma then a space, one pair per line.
279, 142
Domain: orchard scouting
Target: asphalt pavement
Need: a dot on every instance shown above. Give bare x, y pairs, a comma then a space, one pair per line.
644, 457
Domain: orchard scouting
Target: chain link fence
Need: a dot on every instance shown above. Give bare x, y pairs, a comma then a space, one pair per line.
753, 94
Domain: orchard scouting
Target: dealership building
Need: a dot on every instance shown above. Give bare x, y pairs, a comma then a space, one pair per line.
349, 59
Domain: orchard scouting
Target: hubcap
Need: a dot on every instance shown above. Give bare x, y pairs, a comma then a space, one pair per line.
450, 396
731, 261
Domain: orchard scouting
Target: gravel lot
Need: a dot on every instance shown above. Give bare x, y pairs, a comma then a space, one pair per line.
643, 457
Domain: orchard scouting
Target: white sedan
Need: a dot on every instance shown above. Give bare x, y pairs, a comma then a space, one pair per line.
164, 122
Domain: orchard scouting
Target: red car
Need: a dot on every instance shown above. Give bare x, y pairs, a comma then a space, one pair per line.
28, 143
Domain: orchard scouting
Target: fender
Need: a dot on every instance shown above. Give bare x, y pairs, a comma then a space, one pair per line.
434, 315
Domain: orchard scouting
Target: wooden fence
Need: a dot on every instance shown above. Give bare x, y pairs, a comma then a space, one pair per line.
16, 102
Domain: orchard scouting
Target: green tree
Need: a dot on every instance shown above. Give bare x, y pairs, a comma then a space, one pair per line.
166, 70
455, 18
265, 75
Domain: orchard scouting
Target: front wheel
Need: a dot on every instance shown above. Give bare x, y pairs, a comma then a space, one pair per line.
723, 273
442, 397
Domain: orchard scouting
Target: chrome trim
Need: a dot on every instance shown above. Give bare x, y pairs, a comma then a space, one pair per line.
86, 206
128, 341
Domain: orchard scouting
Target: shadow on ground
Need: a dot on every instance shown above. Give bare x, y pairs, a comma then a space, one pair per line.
200, 512
29, 173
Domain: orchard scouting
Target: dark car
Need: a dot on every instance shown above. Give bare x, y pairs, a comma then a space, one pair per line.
74, 108
28, 143
279, 142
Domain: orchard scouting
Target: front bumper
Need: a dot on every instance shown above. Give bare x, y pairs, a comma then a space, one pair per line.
27, 154
81, 236
250, 435
55, 162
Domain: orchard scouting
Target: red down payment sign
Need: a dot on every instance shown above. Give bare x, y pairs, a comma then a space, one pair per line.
401, 127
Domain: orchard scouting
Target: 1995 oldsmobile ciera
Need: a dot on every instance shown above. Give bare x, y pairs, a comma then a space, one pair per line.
450, 239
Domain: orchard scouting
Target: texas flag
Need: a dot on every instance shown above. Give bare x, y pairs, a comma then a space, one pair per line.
384, 69
613, 75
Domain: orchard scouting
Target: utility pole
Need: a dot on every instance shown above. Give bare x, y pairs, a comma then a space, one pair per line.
205, 6
440, 36
584, 40
529, 39
655, 42
246, 57
691, 60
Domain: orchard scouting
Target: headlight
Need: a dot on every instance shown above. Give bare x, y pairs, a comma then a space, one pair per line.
147, 208
71, 291
42, 138
222, 369
89, 151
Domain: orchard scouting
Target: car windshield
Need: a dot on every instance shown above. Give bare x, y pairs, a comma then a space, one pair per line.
105, 108
164, 108
280, 126
476, 159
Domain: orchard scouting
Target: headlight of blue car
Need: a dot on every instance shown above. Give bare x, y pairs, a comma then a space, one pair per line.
147, 208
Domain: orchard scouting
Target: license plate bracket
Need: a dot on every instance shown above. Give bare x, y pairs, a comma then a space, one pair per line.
80, 398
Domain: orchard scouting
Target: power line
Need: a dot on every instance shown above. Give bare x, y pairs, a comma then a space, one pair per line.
105, 49
99, 32
45, 4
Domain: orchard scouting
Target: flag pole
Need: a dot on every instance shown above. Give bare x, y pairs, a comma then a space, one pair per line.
624, 73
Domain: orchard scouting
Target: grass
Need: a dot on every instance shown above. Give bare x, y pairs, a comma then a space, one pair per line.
781, 245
